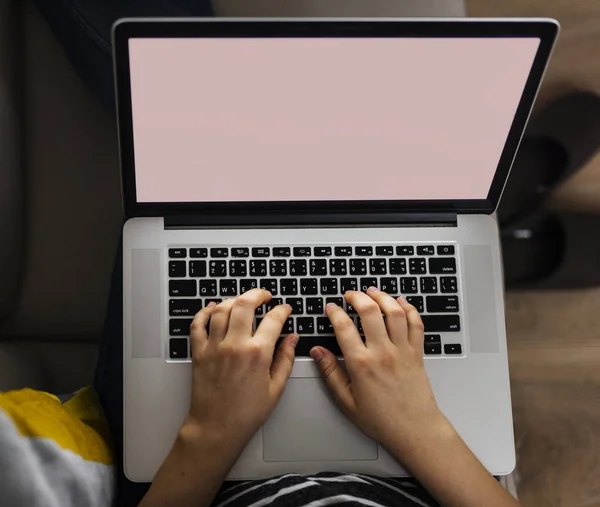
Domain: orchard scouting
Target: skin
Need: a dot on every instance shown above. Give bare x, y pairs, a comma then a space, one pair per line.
382, 387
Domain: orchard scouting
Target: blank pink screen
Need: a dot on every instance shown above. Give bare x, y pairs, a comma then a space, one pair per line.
322, 118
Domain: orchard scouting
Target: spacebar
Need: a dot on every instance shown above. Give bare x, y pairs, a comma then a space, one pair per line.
305, 343
440, 323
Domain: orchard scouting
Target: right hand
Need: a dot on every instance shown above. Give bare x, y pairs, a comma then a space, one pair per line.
383, 387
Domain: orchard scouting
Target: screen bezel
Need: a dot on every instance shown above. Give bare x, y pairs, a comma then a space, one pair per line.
544, 29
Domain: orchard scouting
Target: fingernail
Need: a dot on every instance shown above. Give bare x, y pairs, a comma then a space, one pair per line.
402, 299
317, 355
294, 339
331, 305
211, 304
372, 289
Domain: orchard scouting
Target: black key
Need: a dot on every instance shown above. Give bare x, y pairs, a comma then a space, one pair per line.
442, 265
337, 300
389, 285
322, 251
329, 286
363, 250
442, 304
278, 267
177, 253
350, 308
182, 288
217, 268
208, 288
288, 326
273, 303
240, 252
258, 321
248, 284
318, 267
261, 252
216, 301
441, 323
281, 251
179, 327
308, 342
408, 285
324, 325
198, 252
417, 266
365, 283
197, 269
302, 251
358, 267
314, 306
425, 250
228, 287
452, 348
358, 325
308, 286
178, 348
343, 251
377, 266
305, 325
433, 348
177, 269
428, 285
258, 268
405, 250
297, 305
384, 250
445, 249
269, 284
417, 302
448, 284
298, 267
347, 284
337, 267
219, 252
238, 268
397, 266
433, 338
183, 307
288, 286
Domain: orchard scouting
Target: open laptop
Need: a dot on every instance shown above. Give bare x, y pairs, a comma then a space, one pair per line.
311, 157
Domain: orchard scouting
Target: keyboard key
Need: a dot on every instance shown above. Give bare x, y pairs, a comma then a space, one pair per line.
449, 284
389, 285
322, 251
405, 250
269, 284
324, 325
343, 251
305, 325
177, 253
452, 348
198, 252
445, 250
240, 252
358, 267
329, 286
337, 300
302, 251
219, 252
179, 327
442, 304
197, 269
397, 266
208, 287
228, 287
428, 285
281, 251
273, 303
278, 267
177, 269
261, 252
298, 267
258, 321
308, 286
288, 326
384, 250
408, 285
433, 338
350, 309
442, 265
358, 324
347, 284
217, 268
318, 267
182, 288
178, 348
433, 349
417, 302
363, 250
238, 268
365, 283
314, 306
308, 342
183, 307
258, 268
425, 250
337, 267
248, 284
297, 305
259, 310
377, 266
288, 286
441, 323
417, 266
216, 301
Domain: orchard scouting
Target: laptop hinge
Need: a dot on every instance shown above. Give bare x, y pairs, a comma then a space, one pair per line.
310, 220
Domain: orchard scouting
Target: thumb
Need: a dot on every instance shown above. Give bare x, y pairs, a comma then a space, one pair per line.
283, 362
335, 376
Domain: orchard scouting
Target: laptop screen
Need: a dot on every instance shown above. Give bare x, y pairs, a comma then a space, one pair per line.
322, 119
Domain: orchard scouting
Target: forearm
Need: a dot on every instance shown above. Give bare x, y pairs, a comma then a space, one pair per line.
447, 468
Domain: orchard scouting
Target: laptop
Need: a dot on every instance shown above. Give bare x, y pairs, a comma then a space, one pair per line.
311, 157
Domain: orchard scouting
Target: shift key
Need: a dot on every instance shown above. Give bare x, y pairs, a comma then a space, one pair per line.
442, 304
441, 323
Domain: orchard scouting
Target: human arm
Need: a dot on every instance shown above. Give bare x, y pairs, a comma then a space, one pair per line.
384, 389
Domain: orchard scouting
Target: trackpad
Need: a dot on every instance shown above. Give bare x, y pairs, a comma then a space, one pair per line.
306, 426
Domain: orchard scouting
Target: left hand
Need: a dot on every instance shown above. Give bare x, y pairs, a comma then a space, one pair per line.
237, 381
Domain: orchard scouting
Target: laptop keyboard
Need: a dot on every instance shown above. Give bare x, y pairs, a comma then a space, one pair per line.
307, 278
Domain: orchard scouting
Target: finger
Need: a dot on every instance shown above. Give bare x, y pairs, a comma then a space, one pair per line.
336, 378
219, 320
395, 316
242, 313
198, 332
416, 329
370, 316
272, 324
345, 331
283, 362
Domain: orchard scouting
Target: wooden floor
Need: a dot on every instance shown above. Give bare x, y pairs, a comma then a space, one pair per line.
554, 337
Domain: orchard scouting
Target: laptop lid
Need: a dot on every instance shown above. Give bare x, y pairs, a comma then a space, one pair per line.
267, 117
